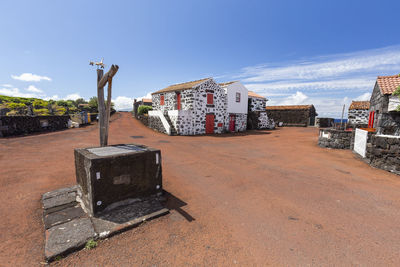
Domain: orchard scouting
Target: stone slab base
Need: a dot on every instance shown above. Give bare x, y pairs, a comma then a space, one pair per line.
68, 227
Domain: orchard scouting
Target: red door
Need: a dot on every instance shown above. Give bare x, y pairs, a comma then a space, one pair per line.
178, 100
209, 123
232, 121
371, 119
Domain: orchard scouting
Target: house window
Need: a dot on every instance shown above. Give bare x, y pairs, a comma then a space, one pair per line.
210, 99
162, 100
237, 97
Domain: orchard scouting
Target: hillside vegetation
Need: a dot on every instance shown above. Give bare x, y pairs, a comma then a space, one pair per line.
14, 106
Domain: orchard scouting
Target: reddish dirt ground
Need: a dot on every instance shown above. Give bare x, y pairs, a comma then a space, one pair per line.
260, 198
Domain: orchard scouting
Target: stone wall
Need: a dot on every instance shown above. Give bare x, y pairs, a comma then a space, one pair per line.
292, 117
385, 122
324, 122
358, 116
259, 120
144, 119
257, 104
332, 138
384, 152
19, 125
156, 124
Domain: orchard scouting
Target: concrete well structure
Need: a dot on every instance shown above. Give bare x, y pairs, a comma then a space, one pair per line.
107, 176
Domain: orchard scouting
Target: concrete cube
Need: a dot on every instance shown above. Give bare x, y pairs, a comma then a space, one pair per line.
109, 175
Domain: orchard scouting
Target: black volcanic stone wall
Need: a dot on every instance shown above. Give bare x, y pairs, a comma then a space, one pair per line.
19, 125
156, 124
384, 153
290, 117
325, 122
338, 139
144, 119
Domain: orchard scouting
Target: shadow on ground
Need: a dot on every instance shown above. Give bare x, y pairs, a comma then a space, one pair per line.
174, 203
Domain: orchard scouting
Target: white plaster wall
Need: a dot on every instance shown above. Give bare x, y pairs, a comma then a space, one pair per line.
360, 142
394, 102
232, 105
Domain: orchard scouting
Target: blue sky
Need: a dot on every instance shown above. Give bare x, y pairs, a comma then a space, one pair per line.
293, 52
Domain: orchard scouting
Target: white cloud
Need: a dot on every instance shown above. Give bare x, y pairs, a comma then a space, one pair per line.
7, 85
17, 93
148, 96
328, 82
33, 89
29, 77
73, 96
343, 84
295, 99
54, 97
376, 60
123, 103
364, 97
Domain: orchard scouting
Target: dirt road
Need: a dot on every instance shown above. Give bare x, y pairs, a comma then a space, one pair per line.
255, 199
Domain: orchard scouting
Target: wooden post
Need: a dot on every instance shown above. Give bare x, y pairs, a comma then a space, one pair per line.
108, 107
104, 109
101, 108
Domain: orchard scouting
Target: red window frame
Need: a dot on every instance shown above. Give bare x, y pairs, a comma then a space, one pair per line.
210, 99
161, 100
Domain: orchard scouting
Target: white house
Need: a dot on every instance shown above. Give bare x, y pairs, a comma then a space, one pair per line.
191, 108
236, 109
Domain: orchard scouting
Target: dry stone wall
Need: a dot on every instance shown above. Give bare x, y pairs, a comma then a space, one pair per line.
384, 152
332, 138
156, 124
19, 125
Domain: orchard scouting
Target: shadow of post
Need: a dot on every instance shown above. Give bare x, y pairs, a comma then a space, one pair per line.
174, 203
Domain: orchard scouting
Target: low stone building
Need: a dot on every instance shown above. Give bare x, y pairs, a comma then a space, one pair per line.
293, 115
191, 108
358, 113
383, 104
257, 115
143, 102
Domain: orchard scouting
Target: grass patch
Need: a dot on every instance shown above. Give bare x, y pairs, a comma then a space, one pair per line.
91, 244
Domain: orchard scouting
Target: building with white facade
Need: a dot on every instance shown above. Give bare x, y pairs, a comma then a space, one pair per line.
191, 108
236, 106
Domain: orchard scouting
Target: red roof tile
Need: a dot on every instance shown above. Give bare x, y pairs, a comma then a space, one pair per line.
388, 84
359, 105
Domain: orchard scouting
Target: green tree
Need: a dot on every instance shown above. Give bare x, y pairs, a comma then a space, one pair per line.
80, 101
144, 109
93, 102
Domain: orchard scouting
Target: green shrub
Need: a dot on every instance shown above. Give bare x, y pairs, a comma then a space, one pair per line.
39, 103
16, 105
60, 110
41, 111
144, 109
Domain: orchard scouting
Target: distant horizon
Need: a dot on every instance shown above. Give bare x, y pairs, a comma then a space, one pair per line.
321, 53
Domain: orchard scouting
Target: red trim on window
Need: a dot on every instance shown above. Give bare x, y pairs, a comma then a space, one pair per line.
210, 99
162, 100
